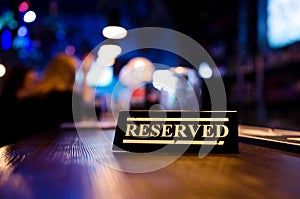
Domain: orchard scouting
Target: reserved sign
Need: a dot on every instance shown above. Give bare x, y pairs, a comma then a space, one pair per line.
177, 131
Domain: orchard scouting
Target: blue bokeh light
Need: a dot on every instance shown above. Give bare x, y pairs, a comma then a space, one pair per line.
6, 39
283, 24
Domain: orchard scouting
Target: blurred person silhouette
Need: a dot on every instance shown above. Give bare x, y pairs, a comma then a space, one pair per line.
87, 91
18, 81
49, 104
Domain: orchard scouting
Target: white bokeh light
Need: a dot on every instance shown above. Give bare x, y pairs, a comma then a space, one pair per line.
2, 70
29, 16
205, 70
108, 53
114, 32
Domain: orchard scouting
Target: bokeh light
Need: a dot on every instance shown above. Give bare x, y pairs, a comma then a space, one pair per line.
99, 75
29, 16
2, 70
137, 71
70, 50
114, 32
23, 6
107, 54
22, 31
6, 39
205, 70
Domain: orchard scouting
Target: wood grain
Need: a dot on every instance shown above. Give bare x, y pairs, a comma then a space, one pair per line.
65, 165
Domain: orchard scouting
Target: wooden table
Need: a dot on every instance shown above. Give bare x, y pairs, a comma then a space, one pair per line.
60, 165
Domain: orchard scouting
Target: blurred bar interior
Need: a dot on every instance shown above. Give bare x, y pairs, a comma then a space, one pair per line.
255, 45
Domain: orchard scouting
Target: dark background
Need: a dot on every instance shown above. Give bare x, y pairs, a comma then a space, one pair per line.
264, 91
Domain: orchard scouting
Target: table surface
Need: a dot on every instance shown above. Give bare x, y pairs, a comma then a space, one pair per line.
67, 164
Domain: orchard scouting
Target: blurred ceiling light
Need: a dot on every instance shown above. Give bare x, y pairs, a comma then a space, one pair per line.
205, 70
2, 70
114, 32
29, 16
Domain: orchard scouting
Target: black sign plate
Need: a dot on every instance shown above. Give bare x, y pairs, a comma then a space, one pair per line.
177, 131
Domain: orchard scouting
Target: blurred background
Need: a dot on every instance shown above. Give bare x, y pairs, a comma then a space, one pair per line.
254, 43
